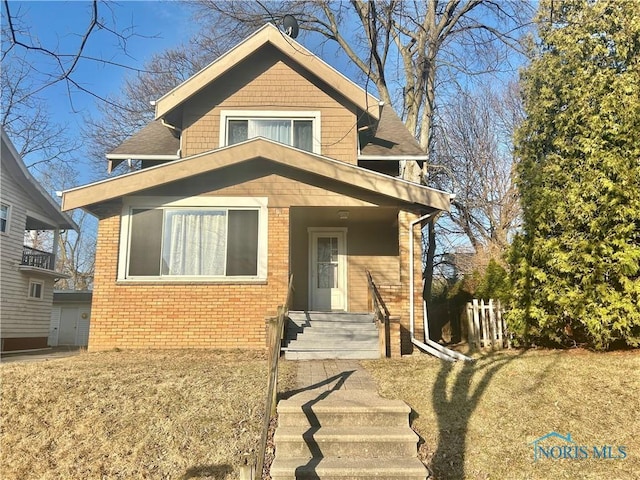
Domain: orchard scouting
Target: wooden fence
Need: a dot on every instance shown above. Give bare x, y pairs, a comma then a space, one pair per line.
486, 327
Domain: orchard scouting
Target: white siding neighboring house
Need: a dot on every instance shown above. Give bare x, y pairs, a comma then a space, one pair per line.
26, 275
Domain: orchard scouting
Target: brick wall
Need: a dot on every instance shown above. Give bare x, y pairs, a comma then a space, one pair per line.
184, 315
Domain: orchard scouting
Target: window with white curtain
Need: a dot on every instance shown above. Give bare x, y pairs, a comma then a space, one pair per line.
195, 241
298, 129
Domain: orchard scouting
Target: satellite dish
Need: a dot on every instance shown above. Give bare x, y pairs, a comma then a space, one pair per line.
290, 26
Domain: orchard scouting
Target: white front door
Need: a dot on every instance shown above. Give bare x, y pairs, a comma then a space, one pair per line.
327, 270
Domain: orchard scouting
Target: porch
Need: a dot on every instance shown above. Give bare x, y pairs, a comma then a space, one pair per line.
332, 248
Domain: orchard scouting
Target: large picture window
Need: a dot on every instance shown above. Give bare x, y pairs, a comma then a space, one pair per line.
298, 129
195, 241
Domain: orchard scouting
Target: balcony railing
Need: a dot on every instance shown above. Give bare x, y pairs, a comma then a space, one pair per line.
33, 257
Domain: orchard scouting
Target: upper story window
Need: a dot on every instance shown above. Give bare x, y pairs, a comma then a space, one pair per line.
298, 129
194, 239
4, 217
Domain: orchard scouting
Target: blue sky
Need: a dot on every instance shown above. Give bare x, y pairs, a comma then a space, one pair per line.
59, 25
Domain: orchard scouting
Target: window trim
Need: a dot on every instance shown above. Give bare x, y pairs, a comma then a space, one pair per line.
313, 115
8, 219
240, 203
35, 282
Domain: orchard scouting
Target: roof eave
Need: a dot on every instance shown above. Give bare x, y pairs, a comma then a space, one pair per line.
267, 34
129, 184
37, 193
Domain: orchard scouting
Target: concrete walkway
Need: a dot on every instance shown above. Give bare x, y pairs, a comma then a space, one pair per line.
333, 375
334, 425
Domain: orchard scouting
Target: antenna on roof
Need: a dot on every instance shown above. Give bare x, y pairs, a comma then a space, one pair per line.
290, 25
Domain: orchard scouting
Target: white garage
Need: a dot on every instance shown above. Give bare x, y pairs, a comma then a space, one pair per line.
70, 318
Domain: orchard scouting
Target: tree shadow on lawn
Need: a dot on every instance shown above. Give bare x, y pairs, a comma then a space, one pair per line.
454, 411
213, 472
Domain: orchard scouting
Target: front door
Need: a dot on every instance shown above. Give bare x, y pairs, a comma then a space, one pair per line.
328, 270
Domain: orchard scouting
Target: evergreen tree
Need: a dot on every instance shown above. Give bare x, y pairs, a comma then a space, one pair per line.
575, 267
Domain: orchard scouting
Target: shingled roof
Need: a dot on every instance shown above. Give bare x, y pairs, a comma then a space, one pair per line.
154, 141
390, 138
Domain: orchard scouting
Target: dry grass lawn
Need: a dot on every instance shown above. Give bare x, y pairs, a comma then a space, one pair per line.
477, 419
133, 415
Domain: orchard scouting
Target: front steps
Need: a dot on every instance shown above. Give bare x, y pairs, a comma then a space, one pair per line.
345, 435
322, 335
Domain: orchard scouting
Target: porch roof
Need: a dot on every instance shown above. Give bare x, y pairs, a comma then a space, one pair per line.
328, 169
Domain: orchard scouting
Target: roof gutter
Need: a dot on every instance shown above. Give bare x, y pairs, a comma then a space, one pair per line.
393, 157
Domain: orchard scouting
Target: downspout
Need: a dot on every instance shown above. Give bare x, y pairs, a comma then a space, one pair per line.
434, 348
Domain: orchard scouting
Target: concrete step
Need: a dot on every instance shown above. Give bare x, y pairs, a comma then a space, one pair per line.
342, 408
330, 317
325, 343
337, 337
345, 441
348, 469
333, 354
337, 326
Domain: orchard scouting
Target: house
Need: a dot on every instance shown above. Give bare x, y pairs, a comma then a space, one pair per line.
266, 163
27, 274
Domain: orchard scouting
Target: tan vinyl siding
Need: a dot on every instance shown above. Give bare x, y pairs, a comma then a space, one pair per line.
381, 256
19, 315
268, 80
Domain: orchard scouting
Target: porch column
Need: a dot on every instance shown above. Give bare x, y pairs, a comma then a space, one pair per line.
404, 238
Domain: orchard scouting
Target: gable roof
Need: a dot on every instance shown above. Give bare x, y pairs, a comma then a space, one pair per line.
268, 34
13, 164
327, 168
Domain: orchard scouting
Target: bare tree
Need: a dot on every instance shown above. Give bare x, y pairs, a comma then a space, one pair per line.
406, 40
27, 120
29, 69
475, 156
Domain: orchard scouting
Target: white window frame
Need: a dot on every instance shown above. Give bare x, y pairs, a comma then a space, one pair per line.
250, 203
313, 115
35, 282
8, 219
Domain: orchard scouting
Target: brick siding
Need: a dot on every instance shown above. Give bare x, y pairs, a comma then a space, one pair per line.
184, 315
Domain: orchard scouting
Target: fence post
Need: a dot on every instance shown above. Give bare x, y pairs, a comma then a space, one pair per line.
476, 323
492, 325
470, 330
499, 324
